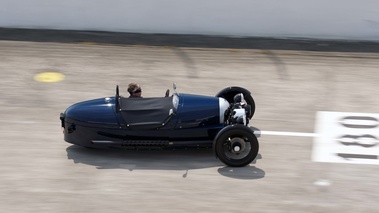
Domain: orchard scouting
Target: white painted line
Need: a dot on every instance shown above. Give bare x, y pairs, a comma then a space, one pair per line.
322, 182
296, 134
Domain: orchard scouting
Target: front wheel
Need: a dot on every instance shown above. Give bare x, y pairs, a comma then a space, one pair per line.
236, 145
229, 93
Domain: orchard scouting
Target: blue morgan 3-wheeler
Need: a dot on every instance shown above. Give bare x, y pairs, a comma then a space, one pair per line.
169, 122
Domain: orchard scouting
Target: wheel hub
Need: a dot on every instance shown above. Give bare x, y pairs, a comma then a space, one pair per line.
237, 145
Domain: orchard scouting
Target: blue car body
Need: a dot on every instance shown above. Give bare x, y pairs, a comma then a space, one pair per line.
194, 120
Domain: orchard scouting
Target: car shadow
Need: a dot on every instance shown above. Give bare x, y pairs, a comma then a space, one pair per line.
184, 160
247, 172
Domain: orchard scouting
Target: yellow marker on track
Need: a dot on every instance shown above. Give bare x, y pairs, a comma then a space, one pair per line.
49, 77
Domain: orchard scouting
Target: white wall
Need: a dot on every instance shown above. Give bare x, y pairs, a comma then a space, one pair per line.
331, 19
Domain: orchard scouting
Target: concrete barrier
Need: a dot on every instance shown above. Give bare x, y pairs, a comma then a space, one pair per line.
321, 19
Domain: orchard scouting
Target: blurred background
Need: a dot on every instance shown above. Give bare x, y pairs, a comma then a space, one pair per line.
311, 66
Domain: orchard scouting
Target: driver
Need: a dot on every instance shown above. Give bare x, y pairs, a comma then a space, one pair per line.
134, 90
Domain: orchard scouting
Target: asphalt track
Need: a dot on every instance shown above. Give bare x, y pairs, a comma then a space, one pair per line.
42, 173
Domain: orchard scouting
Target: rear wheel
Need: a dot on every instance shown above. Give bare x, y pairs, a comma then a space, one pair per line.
236, 145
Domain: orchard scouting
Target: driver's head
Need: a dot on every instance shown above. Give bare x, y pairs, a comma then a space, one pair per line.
134, 90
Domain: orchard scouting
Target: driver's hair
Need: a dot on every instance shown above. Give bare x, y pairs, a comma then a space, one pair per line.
133, 87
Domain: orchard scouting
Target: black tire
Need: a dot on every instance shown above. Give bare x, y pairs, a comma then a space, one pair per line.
229, 93
229, 138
